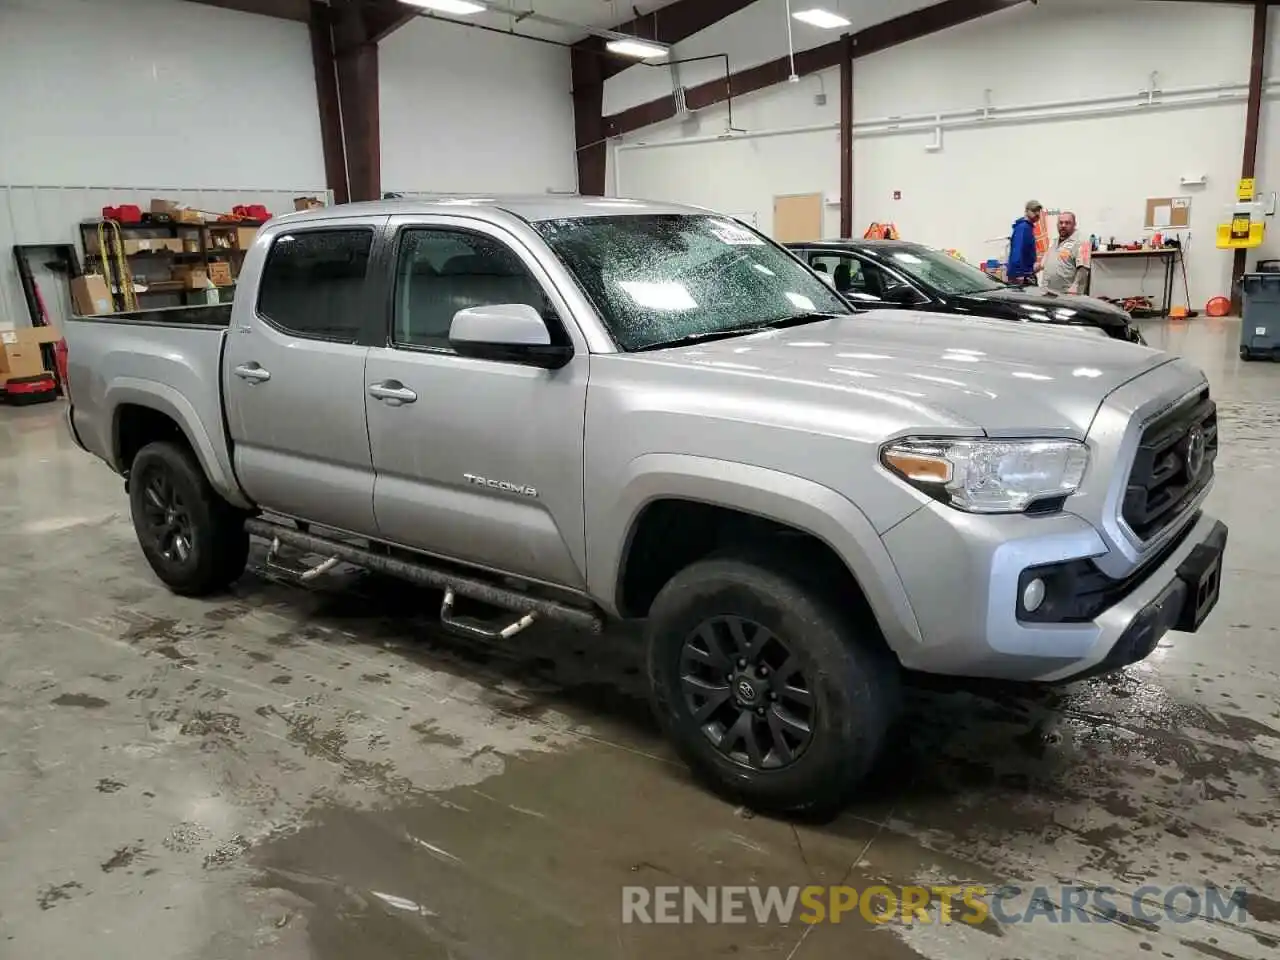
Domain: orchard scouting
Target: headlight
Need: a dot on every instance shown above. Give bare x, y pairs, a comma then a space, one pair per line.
989, 476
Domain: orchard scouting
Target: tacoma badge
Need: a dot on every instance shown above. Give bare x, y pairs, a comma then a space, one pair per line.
516, 488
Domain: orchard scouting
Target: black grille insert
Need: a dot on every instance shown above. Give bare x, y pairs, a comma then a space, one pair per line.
1174, 463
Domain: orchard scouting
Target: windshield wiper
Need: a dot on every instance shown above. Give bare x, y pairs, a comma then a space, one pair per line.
704, 336
799, 319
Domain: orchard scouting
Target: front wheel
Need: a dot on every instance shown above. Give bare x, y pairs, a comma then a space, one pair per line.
769, 691
1246, 353
194, 540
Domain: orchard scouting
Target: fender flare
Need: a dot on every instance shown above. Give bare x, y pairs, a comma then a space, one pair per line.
212, 456
773, 495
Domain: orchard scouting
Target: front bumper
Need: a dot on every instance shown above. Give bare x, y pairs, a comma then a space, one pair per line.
961, 574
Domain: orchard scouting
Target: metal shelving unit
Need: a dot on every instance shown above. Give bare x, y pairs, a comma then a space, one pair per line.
209, 251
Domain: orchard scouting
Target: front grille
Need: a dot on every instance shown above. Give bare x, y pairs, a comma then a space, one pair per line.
1164, 479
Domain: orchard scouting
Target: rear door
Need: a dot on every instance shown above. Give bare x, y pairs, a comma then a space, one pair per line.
476, 460
293, 376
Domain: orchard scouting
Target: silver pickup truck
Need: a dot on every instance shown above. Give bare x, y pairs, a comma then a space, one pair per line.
581, 409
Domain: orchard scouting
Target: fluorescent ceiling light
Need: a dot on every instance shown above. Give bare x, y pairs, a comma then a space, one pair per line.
821, 18
639, 49
461, 8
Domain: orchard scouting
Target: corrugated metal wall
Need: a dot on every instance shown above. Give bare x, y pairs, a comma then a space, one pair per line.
40, 214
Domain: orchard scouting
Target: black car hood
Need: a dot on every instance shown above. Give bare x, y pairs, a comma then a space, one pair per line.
1039, 304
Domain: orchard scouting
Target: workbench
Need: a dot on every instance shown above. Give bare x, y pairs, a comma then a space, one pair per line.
1167, 255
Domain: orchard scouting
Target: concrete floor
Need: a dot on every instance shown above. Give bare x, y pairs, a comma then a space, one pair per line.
289, 773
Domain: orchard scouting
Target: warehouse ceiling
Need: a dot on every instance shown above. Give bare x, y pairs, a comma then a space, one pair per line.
606, 14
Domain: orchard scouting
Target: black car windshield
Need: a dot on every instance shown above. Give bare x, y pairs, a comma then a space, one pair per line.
665, 279
941, 270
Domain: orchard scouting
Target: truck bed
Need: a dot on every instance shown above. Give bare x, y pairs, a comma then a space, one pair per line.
169, 360
204, 315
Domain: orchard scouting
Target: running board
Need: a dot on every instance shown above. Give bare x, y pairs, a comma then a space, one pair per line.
427, 576
469, 627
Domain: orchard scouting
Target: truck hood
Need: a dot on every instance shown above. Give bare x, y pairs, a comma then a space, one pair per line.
903, 371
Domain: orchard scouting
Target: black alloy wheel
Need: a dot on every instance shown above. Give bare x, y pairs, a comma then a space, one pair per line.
747, 693
168, 520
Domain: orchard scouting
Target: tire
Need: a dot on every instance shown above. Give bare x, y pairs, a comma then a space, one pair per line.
851, 679
1246, 353
194, 540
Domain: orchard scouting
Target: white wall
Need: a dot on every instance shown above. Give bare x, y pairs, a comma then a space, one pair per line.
465, 110
1102, 161
119, 101
148, 92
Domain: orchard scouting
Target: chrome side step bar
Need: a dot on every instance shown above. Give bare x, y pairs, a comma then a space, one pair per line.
454, 585
468, 627
277, 567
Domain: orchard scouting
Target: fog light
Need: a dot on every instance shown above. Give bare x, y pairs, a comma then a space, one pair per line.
1033, 595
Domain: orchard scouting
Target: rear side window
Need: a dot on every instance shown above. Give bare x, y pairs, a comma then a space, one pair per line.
313, 283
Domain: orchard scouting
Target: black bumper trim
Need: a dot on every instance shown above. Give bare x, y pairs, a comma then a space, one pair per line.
1173, 609
71, 428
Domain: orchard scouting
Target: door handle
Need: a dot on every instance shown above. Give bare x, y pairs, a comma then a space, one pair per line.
393, 392
252, 372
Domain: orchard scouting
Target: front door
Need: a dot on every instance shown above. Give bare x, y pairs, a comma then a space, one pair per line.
859, 282
475, 460
294, 378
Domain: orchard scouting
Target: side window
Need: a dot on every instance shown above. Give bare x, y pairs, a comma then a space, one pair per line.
847, 273
882, 284
313, 283
440, 272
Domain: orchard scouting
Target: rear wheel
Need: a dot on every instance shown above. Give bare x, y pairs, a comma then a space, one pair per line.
772, 693
194, 540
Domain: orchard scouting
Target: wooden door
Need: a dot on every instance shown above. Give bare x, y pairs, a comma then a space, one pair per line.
797, 217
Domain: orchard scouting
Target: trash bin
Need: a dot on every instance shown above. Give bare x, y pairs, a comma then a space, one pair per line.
1260, 329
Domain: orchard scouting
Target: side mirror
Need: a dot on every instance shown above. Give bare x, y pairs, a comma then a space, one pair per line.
903, 295
512, 332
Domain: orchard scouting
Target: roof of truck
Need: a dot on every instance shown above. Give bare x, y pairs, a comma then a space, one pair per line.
532, 207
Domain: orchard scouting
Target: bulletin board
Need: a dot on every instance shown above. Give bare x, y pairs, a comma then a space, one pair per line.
1168, 213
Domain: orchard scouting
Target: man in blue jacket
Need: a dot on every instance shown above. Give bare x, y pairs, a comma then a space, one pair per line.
1022, 246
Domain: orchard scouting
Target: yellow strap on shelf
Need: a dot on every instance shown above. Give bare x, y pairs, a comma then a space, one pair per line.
111, 248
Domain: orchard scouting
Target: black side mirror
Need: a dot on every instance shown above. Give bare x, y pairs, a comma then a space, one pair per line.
903, 295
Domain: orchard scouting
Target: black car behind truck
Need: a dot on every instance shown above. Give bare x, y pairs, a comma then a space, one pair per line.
894, 273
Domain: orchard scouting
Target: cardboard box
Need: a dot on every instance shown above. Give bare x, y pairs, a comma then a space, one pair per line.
135, 245
90, 295
307, 203
193, 276
244, 237
188, 216
20, 354
164, 206
220, 273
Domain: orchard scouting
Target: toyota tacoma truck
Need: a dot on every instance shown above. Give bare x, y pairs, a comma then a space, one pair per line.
582, 410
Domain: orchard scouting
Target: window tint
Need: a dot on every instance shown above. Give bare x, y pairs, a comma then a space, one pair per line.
313, 283
443, 271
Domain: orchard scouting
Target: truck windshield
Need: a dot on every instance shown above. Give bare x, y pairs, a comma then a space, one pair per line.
669, 279
943, 271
